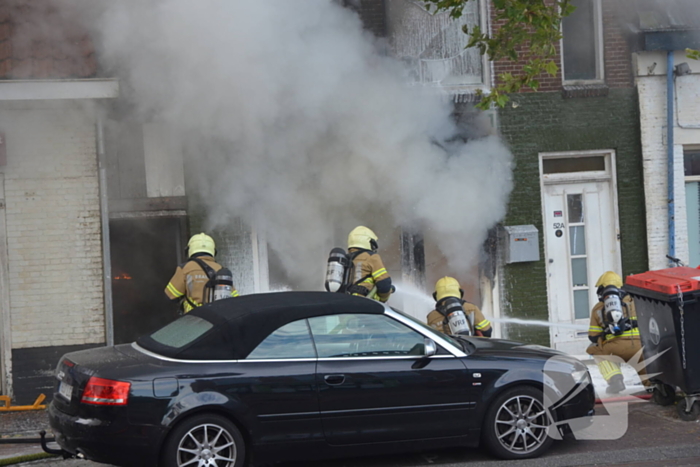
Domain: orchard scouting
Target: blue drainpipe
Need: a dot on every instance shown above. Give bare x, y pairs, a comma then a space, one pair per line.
669, 138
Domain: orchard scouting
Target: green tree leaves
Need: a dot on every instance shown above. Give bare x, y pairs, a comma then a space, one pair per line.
527, 32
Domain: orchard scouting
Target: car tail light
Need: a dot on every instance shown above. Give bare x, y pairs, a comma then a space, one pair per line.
100, 391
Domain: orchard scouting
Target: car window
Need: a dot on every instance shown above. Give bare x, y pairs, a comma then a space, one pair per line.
357, 335
431, 330
182, 331
290, 341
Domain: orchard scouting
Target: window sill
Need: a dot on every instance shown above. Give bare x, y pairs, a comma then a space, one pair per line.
573, 91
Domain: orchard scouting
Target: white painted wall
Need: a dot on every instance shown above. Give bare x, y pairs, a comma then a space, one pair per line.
651, 82
53, 226
164, 162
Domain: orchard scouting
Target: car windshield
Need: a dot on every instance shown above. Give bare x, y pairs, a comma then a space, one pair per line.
449, 339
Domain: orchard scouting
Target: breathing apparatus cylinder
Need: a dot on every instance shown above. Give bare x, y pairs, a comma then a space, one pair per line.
223, 284
337, 270
614, 317
459, 323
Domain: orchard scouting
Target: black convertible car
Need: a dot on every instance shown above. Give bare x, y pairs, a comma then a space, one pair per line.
307, 375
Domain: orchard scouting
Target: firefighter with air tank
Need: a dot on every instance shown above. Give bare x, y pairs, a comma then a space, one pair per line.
613, 330
200, 279
453, 315
361, 271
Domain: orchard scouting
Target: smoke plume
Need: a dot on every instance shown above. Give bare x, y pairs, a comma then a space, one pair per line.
293, 121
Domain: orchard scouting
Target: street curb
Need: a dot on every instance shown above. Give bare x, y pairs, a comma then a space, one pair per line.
25, 458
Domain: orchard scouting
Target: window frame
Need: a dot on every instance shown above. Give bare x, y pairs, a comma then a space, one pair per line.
689, 148
420, 328
599, 50
487, 67
574, 177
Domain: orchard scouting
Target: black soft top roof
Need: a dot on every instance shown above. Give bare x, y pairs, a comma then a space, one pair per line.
241, 323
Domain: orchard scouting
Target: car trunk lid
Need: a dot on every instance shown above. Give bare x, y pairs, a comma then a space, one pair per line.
75, 369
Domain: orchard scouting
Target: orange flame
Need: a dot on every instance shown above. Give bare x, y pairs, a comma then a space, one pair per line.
124, 276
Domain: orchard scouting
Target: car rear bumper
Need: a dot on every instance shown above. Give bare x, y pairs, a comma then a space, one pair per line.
113, 442
580, 405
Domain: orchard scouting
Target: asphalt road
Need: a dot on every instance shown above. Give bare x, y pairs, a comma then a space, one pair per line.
655, 438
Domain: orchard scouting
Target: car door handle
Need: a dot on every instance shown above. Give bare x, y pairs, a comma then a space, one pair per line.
334, 380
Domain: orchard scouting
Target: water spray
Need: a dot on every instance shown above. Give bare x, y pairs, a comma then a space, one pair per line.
423, 300
534, 322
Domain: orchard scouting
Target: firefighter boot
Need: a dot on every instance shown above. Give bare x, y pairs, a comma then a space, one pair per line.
615, 385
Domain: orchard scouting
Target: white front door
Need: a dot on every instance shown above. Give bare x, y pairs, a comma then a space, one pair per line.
581, 243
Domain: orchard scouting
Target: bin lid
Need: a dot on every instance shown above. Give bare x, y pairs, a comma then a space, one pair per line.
667, 280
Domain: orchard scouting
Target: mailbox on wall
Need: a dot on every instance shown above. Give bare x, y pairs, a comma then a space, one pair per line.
521, 243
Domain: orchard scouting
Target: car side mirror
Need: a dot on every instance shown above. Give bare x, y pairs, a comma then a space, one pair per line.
430, 347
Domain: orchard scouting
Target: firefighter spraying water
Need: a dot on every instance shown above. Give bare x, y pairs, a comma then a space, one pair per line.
615, 321
613, 330
360, 271
453, 315
200, 279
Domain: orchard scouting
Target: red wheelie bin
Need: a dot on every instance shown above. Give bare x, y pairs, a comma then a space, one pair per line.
668, 315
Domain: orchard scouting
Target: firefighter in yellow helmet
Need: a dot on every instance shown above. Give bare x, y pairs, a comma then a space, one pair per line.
190, 282
448, 287
369, 277
613, 337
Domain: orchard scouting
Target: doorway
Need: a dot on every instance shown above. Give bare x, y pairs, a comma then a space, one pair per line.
581, 238
145, 252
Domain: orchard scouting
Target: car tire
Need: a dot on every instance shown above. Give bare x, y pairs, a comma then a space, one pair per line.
204, 437
516, 424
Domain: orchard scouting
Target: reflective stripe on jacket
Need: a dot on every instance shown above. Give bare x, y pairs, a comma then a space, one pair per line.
189, 283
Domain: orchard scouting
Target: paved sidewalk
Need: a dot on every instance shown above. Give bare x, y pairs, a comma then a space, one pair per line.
26, 424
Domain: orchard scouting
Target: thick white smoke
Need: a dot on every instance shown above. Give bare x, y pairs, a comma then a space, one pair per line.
296, 122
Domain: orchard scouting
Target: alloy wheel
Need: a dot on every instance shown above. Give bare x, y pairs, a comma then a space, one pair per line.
207, 445
521, 424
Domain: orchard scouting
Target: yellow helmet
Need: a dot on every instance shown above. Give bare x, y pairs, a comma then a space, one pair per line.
609, 278
362, 237
201, 243
447, 287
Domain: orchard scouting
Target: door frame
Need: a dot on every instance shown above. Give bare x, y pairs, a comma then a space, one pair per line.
5, 324
609, 175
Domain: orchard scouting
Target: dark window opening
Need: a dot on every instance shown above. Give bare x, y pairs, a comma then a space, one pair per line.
573, 164
691, 162
144, 253
580, 52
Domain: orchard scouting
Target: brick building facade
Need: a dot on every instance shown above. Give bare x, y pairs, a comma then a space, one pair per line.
565, 122
579, 115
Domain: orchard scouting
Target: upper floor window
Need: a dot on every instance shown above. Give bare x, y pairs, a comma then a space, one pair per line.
582, 48
433, 45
